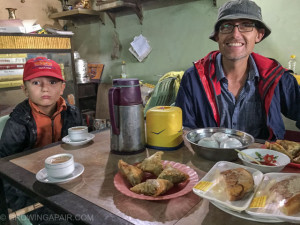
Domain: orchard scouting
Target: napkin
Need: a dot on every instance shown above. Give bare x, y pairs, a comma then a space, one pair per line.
140, 47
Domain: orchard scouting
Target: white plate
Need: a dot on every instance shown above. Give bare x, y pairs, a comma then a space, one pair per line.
270, 210
215, 192
43, 177
67, 140
246, 216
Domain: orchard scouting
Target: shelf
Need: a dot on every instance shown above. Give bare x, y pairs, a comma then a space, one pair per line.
87, 90
34, 42
77, 14
113, 6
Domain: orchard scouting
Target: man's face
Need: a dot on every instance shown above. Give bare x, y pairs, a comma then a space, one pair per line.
237, 45
44, 91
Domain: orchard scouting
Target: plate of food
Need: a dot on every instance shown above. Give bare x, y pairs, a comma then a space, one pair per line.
230, 185
278, 197
155, 179
290, 148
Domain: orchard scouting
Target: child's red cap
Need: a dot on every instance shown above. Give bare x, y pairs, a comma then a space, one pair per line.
41, 67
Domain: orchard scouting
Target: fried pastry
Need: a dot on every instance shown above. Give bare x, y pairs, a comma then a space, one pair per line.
152, 164
291, 146
297, 159
153, 187
133, 174
277, 147
238, 183
173, 175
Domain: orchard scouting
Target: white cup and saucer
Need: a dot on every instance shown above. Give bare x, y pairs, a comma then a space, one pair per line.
78, 135
59, 168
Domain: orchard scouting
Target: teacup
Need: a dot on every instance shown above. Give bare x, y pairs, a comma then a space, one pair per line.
78, 133
60, 165
99, 124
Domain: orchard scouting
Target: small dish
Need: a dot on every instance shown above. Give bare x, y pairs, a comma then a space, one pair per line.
209, 187
67, 140
43, 177
281, 159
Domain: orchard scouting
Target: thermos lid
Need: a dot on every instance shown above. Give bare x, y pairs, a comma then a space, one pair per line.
129, 92
126, 82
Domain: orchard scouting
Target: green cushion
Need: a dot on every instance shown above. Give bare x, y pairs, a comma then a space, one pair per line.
23, 220
164, 94
3, 120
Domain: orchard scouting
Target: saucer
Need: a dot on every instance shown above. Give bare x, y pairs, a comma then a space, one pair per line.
67, 140
43, 177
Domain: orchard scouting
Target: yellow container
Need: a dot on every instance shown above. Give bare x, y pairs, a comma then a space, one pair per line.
164, 128
297, 78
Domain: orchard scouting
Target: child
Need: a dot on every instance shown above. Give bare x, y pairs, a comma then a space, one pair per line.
44, 117
40, 120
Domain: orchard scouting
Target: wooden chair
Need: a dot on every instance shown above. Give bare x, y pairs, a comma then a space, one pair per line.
19, 215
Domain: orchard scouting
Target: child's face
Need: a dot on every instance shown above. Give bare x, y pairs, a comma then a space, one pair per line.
44, 91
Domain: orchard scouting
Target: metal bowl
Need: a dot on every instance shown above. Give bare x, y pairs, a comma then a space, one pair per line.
218, 154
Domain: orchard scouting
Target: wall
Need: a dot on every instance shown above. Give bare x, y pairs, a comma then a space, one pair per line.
178, 33
177, 30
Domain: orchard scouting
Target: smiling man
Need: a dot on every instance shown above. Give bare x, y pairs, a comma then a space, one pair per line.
235, 87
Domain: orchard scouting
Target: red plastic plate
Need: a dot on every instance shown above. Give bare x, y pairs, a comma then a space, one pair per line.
178, 190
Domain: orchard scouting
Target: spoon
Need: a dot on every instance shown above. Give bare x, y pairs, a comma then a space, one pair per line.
244, 154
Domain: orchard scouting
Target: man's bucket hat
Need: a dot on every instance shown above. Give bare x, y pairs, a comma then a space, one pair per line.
240, 9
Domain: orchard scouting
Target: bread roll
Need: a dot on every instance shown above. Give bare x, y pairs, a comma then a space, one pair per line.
287, 192
238, 183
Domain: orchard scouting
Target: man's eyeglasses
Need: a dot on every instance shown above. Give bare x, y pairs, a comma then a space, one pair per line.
227, 28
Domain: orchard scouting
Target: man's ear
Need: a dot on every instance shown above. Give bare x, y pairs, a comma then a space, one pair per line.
260, 35
23, 87
216, 36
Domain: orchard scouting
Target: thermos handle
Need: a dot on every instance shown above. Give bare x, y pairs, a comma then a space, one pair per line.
111, 96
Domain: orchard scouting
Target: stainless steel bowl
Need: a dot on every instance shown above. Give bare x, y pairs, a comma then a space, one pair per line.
218, 154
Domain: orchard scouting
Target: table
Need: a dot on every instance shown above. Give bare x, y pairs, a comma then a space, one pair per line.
92, 197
